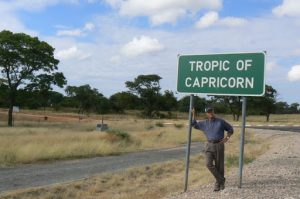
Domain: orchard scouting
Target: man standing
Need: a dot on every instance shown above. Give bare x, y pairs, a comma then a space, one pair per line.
214, 129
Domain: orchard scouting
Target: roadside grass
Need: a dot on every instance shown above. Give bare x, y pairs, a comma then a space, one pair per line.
32, 141
154, 181
179, 126
149, 182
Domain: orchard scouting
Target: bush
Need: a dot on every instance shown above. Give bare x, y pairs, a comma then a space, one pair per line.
159, 124
179, 126
119, 133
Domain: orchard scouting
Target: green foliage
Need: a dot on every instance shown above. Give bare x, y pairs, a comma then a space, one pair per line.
147, 88
26, 60
4, 95
233, 103
119, 133
265, 105
87, 99
199, 104
124, 100
168, 102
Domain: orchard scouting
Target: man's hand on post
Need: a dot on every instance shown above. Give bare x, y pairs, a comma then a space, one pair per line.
193, 113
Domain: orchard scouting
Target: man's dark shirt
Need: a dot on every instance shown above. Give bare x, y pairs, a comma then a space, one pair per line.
214, 128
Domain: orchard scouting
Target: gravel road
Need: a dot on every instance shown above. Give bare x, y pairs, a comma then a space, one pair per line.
65, 171
275, 174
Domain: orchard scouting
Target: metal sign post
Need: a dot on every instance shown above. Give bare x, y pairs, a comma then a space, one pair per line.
188, 147
241, 160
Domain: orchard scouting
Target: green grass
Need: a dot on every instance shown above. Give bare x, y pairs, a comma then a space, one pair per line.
233, 160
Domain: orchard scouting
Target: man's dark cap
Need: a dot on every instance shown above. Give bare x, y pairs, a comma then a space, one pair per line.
209, 109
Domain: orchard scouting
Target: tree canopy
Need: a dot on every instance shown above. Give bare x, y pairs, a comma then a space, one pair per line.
147, 87
23, 59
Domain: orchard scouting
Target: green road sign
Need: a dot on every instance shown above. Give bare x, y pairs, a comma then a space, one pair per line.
222, 74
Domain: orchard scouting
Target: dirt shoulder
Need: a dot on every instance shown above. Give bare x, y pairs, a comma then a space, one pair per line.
275, 174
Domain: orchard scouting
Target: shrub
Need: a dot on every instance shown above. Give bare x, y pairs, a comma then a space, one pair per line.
159, 124
119, 133
179, 126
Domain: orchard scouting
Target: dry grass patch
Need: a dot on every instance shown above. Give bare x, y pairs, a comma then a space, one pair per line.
155, 181
31, 141
149, 182
26, 145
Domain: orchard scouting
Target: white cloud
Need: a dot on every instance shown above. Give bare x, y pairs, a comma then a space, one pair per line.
142, 45
207, 20
296, 52
10, 21
288, 8
114, 3
212, 19
232, 21
71, 53
89, 27
166, 11
72, 32
294, 73
67, 53
37, 5
76, 32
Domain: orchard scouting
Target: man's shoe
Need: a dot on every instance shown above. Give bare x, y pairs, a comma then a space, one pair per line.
217, 186
222, 184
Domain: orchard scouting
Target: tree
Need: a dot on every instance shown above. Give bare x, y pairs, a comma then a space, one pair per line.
234, 104
168, 101
199, 104
147, 87
87, 99
294, 108
3, 95
55, 99
265, 105
124, 100
281, 107
42, 84
22, 57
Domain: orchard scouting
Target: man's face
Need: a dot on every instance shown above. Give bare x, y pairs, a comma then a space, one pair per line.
210, 115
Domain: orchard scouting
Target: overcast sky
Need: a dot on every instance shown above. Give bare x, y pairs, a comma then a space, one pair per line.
107, 42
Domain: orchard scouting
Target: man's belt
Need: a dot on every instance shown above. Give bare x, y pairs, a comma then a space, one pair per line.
214, 141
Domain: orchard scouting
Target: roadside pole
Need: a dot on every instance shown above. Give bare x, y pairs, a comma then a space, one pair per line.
241, 160
188, 147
